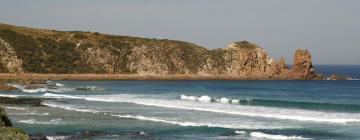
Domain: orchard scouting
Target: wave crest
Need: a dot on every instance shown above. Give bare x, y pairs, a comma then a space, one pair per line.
275, 137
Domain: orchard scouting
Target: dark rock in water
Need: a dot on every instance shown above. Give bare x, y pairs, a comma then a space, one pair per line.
93, 133
38, 82
137, 133
338, 77
38, 136
34, 86
7, 87
22, 101
86, 88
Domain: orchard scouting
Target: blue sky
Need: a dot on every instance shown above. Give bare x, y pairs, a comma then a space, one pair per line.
330, 29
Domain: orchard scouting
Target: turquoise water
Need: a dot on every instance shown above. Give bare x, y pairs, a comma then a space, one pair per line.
192, 110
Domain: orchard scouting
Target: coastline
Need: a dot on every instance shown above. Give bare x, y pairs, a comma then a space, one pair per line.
37, 76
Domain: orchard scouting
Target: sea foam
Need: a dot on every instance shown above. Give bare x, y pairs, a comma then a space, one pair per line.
252, 111
206, 98
275, 137
10, 96
173, 121
67, 107
15, 108
58, 88
33, 121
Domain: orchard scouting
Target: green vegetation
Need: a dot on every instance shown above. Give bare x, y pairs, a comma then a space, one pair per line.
49, 51
6, 130
246, 45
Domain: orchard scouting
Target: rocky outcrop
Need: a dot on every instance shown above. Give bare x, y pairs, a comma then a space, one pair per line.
8, 59
47, 51
245, 59
338, 77
302, 66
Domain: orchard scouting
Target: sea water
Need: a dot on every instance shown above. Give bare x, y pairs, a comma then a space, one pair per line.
191, 110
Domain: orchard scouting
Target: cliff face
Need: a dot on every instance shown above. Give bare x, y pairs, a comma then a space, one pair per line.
8, 59
47, 51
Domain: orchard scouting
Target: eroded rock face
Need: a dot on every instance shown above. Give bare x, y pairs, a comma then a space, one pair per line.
247, 60
303, 68
100, 59
8, 59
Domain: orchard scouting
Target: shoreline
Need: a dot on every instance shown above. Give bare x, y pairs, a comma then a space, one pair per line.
37, 76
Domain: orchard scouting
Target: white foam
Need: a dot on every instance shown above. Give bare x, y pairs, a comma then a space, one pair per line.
14, 85
31, 113
204, 98
252, 111
142, 133
67, 107
15, 108
178, 121
190, 98
224, 100
275, 137
208, 99
43, 89
33, 121
196, 124
240, 132
51, 95
57, 137
35, 90
10, 96
234, 101
59, 84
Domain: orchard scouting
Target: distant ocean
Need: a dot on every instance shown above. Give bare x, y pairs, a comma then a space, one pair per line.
194, 109
347, 70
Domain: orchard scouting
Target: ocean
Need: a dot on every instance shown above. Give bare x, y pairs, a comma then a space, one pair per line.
172, 110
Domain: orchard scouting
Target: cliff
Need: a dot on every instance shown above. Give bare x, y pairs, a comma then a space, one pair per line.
27, 50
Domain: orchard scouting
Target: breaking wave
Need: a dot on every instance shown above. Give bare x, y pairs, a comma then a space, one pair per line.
199, 123
31, 113
275, 137
251, 111
262, 135
67, 107
49, 87
57, 137
10, 96
51, 122
208, 99
51, 95
15, 108
274, 103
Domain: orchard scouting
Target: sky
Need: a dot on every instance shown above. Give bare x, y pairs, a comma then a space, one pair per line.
329, 29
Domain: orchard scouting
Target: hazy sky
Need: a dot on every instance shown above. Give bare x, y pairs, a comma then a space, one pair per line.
330, 29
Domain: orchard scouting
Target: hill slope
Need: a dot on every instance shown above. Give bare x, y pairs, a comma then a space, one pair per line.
28, 50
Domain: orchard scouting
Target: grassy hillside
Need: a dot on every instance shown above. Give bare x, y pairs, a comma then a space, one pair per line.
50, 51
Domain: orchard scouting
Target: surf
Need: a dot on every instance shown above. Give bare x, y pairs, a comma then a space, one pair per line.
251, 111
274, 103
173, 121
